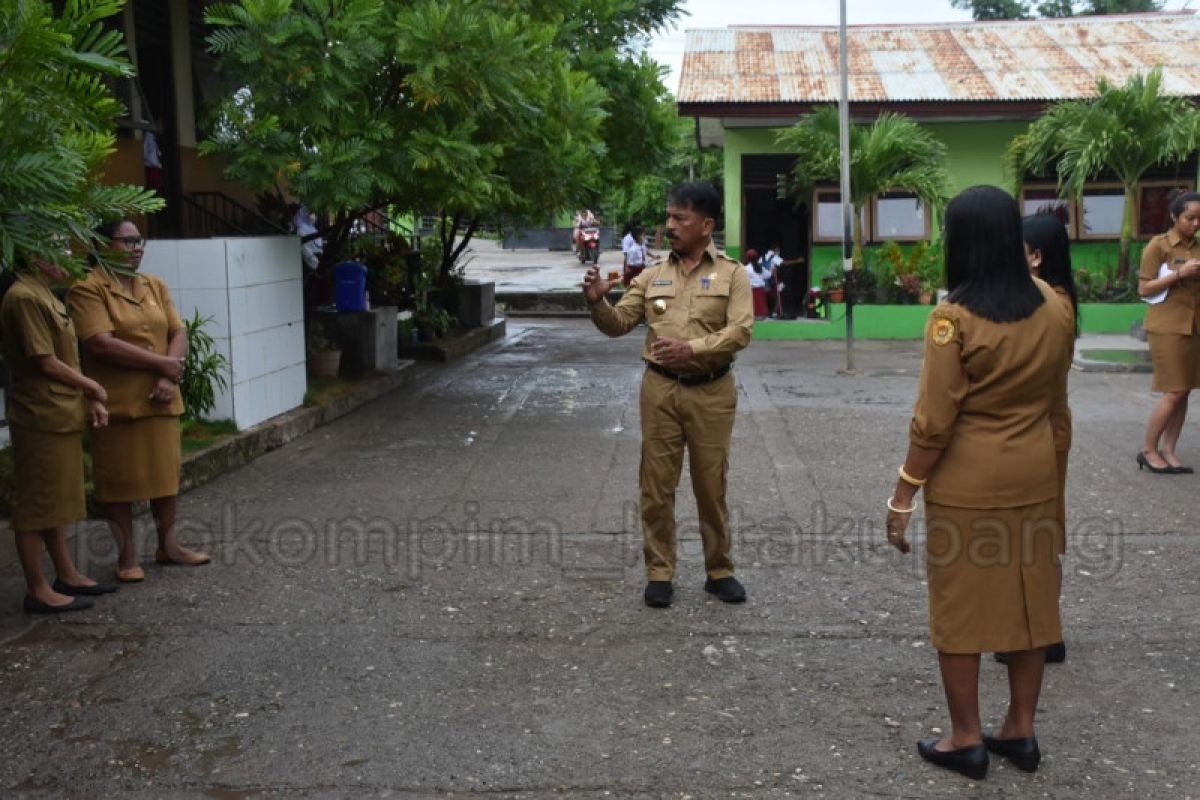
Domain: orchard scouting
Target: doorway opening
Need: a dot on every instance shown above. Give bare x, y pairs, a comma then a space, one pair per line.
770, 214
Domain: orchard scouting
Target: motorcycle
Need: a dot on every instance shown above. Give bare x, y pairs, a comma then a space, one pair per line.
588, 246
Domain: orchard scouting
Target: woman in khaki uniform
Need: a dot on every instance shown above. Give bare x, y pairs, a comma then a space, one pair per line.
1173, 328
1048, 253
992, 386
134, 344
49, 402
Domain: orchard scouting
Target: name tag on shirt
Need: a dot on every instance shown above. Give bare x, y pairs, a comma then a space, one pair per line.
662, 282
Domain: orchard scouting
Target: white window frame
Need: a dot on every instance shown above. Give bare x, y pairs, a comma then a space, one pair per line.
817, 238
878, 236
1081, 232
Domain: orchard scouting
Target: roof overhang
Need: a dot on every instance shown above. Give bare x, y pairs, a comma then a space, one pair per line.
713, 119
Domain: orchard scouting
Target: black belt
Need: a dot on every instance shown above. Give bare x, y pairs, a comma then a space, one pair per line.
692, 379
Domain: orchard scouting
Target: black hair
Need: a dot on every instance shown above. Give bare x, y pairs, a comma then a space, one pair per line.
1046, 234
637, 230
108, 230
699, 196
986, 270
1180, 201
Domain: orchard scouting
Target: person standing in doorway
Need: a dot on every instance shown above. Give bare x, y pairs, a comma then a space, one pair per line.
698, 311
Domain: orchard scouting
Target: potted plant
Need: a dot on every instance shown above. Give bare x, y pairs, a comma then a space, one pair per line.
324, 354
925, 293
834, 288
431, 322
908, 288
860, 285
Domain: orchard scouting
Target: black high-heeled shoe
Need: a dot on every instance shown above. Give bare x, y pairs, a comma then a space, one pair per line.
970, 761
1143, 462
1021, 753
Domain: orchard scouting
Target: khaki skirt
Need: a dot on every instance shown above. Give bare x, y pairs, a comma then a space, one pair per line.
993, 578
1176, 360
136, 459
48, 492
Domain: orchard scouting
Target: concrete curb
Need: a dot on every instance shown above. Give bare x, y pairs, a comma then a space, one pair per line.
1084, 364
446, 350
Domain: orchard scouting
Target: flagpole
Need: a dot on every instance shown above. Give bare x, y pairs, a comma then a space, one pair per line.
847, 206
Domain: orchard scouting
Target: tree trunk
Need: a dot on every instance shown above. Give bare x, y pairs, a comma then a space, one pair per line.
857, 252
1126, 232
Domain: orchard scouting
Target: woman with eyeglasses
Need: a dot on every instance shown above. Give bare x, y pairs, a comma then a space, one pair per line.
49, 402
134, 345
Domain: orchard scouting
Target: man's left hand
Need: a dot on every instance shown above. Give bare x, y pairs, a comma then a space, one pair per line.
671, 353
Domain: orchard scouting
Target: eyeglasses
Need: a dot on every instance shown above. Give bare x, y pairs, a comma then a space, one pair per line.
132, 241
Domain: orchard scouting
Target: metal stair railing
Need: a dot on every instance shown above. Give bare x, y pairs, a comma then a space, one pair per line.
217, 214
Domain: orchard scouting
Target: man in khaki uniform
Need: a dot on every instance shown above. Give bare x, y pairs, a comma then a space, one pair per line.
699, 313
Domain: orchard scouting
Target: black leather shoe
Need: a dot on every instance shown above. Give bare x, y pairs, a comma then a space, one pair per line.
1142, 461
1182, 470
727, 590
1022, 753
83, 591
970, 761
35, 606
658, 594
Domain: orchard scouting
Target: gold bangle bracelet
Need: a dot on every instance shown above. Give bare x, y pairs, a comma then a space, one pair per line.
892, 507
909, 479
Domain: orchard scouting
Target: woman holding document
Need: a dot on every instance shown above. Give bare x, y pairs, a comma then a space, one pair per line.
1169, 280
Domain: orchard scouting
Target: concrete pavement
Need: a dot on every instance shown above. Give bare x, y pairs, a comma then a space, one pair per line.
439, 596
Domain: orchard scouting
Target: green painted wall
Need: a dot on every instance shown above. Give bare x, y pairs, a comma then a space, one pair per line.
908, 322
974, 152
740, 142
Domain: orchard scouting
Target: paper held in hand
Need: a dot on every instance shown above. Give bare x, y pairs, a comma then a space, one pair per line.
1154, 300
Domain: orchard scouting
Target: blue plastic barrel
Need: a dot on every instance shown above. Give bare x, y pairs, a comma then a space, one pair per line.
350, 286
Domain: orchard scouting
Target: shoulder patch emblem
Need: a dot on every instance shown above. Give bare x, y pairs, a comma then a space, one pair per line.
943, 331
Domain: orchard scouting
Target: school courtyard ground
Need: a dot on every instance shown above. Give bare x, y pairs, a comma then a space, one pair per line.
440, 596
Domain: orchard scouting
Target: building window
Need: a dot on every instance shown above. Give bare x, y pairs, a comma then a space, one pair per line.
1045, 200
827, 216
1101, 210
1154, 206
900, 216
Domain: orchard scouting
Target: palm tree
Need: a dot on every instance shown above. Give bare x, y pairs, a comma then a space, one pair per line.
1124, 131
891, 154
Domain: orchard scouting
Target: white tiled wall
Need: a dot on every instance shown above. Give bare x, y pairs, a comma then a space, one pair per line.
252, 289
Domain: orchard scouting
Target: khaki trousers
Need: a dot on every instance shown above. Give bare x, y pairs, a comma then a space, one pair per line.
699, 418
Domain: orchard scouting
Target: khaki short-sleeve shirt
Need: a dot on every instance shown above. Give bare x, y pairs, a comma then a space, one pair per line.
710, 307
34, 323
146, 318
988, 392
1180, 312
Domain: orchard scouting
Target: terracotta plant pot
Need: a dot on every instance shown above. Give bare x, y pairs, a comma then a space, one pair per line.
324, 363
925, 298
837, 295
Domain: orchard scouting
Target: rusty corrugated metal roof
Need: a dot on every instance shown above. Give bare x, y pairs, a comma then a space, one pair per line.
1018, 61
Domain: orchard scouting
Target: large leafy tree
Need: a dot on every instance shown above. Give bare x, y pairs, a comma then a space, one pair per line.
473, 108
642, 199
1024, 9
56, 129
891, 154
1123, 131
